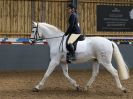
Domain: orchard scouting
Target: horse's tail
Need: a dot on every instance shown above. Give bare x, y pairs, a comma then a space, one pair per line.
122, 67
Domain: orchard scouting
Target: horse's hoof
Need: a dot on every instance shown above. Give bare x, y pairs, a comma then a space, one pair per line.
125, 91
85, 88
78, 88
35, 90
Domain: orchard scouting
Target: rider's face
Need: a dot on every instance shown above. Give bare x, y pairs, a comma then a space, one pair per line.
69, 10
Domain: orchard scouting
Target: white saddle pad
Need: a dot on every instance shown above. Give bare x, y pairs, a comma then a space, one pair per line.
73, 38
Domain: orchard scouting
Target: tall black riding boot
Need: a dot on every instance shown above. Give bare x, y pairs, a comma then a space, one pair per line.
72, 52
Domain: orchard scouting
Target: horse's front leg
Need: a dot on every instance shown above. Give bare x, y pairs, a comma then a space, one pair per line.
65, 72
53, 63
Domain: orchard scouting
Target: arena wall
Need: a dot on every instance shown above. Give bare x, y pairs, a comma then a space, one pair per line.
36, 57
88, 20
16, 16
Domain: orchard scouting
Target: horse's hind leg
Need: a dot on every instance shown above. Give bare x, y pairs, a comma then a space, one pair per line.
95, 72
65, 72
114, 73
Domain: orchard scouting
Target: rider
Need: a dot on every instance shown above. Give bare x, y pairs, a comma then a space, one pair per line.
72, 29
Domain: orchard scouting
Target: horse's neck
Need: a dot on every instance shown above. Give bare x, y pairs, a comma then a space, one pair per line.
54, 40
53, 35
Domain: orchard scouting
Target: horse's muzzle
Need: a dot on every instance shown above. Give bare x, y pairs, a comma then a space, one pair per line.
32, 41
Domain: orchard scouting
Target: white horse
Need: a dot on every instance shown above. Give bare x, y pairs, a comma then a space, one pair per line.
97, 49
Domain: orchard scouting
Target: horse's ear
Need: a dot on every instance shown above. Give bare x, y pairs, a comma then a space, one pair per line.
34, 23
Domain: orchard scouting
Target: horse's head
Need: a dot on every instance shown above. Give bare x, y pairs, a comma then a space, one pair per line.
44, 31
36, 32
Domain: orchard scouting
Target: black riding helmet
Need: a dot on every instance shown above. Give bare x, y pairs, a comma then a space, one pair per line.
71, 6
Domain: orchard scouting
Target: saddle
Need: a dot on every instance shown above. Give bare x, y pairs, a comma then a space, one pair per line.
73, 39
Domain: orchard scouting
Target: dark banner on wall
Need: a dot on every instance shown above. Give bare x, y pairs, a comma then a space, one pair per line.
114, 18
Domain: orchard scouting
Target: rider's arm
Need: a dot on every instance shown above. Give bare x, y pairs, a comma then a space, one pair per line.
71, 24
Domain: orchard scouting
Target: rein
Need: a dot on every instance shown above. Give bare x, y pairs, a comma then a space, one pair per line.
46, 38
53, 37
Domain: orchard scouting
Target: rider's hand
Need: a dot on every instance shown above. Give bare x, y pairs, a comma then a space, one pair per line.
66, 34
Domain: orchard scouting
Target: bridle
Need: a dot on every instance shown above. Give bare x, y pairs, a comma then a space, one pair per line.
36, 34
40, 38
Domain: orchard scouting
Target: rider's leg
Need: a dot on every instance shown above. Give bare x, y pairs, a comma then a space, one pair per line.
71, 52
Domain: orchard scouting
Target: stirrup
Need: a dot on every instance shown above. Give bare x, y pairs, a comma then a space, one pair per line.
68, 61
72, 58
